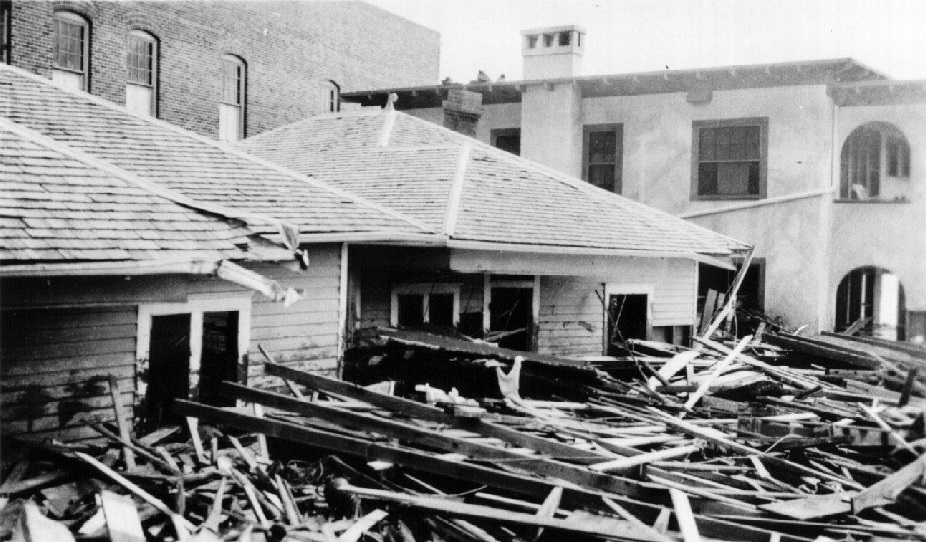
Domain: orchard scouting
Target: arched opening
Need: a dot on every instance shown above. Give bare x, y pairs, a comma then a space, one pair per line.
72, 51
141, 85
875, 163
331, 96
234, 98
871, 299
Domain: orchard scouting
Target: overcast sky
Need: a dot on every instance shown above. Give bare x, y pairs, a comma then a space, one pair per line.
647, 35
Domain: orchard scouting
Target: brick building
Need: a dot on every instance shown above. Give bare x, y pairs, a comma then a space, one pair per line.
222, 69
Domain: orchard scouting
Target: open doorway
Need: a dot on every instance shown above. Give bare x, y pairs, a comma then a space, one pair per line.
219, 360
873, 298
627, 318
169, 365
511, 311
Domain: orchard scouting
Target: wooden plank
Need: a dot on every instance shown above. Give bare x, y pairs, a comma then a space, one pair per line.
718, 370
122, 421
684, 516
614, 528
887, 490
428, 413
626, 464
122, 519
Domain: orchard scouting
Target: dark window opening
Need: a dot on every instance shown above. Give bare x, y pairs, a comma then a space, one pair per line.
219, 357
627, 319
603, 156
565, 38
532, 42
440, 310
6, 26
507, 139
751, 293
168, 366
548, 40
411, 309
511, 310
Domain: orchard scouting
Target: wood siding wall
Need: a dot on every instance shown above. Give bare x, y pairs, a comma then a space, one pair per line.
62, 337
572, 317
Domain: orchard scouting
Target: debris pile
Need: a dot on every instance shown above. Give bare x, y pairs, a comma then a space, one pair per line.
781, 437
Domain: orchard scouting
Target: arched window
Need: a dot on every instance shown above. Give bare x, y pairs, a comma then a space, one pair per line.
331, 96
234, 98
141, 84
72, 51
873, 156
871, 301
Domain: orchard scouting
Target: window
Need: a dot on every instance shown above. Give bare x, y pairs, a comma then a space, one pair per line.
427, 303
507, 139
602, 156
874, 298
564, 38
874, 157
729, 158
548, 40
331, 96
234, 99
6, 23
72, 49
532, 42
628, 314
141, 73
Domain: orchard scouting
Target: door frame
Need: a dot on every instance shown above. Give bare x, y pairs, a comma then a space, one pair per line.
195, 306
612, 288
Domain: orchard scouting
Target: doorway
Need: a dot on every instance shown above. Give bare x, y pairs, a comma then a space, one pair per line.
169, 365
628, 318
219, 359
511, 311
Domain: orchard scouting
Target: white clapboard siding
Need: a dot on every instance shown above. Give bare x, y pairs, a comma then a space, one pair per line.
572, 317
63, 337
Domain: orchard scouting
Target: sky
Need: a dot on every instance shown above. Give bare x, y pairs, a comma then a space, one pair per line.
647, 35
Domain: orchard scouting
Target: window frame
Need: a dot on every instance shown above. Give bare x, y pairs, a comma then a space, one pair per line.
153, 59
72, 18
6, 31
618, 128
424, 289
241, 91
495, 133
618, 288
894, 162
696, 126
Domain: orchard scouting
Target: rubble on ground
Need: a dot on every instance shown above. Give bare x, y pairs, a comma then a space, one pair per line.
772, 436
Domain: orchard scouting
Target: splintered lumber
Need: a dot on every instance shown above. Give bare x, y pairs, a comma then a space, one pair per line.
686, 521
823, 350
673, 366
610, 527
783, 374
626, 463
887, 490
137, 491
812, 507
413, 409
122, 519
121, 421
34, 527
718, 370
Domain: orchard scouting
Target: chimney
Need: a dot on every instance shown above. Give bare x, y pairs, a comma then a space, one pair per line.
462, 110
552, 52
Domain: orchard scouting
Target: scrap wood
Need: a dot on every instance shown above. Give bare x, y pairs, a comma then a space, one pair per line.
887, 490
122, 519
612, 527
716, 372
121, 421
684, 516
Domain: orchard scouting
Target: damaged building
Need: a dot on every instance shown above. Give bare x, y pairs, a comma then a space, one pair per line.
814, 163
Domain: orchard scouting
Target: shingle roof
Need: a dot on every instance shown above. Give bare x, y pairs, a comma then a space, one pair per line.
199, 168
56, 207
499, 197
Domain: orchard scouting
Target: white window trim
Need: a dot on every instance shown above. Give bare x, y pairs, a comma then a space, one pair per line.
424, 289
195, 305
612, 288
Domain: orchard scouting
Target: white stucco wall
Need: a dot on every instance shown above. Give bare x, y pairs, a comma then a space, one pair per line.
888, 235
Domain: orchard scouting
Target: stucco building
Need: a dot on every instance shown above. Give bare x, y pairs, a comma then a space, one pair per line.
225, 70
818, 164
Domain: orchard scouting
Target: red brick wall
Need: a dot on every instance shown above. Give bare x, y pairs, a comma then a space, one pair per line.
291, 49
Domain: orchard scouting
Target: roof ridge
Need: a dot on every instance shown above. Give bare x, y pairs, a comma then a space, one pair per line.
367, 112
561, 177
456, 190
133, 179
224, 147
